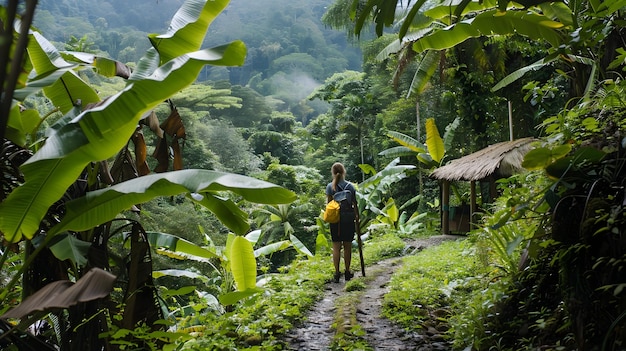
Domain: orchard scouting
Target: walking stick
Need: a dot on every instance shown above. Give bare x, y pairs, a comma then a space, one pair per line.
358, 238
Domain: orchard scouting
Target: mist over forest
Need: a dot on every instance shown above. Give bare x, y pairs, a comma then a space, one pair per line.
290, 51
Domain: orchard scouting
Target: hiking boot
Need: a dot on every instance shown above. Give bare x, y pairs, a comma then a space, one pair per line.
336, 277
349, 275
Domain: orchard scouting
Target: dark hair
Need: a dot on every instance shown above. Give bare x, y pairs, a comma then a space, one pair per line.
338, 172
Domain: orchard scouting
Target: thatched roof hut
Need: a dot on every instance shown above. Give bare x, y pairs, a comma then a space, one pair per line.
498, 160
493, 162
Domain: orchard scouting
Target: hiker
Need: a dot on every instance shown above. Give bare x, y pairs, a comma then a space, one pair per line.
342, 232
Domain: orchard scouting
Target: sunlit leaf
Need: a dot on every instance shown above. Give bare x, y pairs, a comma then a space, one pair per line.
188, 28
178, 244
492, 22
407, 141
68, 89
243, 263
425, 70
254, 236
434, 142
367, 168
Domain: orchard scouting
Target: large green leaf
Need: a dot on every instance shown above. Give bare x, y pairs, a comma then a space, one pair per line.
98, 134
67, 90
225, 210
397, 151
243, 264
68, 247
188, 28
232, 297
493, 22
558, 11
512, 77
447, 9
448, 135
541, 157
103, 205
179, 273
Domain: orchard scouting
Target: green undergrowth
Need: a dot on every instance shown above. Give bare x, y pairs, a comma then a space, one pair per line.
424, 292
258, 323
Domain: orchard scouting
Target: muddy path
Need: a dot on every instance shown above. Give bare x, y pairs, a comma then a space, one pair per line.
318, 330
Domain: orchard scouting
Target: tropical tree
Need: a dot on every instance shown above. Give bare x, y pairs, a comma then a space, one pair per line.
354, 107
59, 202
284, 222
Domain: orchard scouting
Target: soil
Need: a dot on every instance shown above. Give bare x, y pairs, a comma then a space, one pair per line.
317, 332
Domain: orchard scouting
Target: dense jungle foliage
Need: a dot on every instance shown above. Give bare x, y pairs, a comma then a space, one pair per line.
163, 191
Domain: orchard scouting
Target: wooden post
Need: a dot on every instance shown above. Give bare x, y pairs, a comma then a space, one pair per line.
358, 239
510, 121
445, 207
472, 203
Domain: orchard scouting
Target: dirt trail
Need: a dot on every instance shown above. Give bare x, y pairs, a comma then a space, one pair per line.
317, 332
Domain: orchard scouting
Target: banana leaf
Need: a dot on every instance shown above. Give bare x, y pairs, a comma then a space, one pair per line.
98, 133
203, 186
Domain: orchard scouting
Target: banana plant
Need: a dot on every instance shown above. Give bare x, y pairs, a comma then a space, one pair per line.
430, 154
236, 264
63, 193
393, 217
372, 194
97, 133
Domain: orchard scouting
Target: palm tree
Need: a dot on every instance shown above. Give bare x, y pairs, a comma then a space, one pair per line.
283, 222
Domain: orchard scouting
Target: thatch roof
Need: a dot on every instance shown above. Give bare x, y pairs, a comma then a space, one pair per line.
501, 160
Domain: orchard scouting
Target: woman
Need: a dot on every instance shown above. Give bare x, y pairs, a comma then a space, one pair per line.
342, 232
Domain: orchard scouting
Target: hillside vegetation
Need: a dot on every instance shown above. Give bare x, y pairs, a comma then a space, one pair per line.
164, 165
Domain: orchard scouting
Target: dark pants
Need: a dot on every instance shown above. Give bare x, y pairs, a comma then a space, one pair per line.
344, 230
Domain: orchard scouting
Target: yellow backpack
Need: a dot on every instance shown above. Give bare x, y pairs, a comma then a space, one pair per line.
331, 214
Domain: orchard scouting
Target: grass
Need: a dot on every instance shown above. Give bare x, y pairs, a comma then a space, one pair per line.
429, 283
